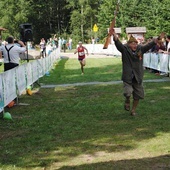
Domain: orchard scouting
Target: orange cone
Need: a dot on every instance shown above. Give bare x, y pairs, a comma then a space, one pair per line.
11, 104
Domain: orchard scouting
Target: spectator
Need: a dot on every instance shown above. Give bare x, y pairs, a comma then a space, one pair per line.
158, 47
11, 53
164, 48
93, 40
64, 42
70, 43
42, 48
55, 41
59, 43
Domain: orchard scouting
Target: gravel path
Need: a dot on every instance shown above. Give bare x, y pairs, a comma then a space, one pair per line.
72, 55
167, 79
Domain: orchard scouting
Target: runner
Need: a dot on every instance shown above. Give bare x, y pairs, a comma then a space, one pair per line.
81, 55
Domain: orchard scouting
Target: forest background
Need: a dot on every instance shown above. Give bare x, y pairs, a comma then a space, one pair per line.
76, 18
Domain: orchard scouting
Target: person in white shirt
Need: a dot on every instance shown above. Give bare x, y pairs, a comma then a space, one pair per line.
11, 53
43, 48
70, 43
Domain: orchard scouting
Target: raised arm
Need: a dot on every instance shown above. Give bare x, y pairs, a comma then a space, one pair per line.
118, 43
112, 25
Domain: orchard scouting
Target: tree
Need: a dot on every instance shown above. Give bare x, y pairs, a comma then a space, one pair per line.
83, 18
13, 14
49, 17
76, 18
105, 17
152, 14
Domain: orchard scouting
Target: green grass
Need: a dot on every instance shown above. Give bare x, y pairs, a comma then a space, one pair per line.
86, 127
96, 69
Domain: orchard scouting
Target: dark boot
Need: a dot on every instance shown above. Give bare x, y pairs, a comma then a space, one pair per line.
127, 104
133, 111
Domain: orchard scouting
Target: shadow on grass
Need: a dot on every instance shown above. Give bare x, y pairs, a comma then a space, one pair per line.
155, 163
61, 124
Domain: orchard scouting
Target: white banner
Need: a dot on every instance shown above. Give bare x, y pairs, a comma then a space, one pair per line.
21, 79
40, 68
43, 66
9, 78
154, 61
146, 59
34, 67
46, 64
164, 62
51, 61
56, 54
29, 74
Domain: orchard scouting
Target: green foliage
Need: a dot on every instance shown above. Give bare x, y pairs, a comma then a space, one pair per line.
12, 15
83, 18
105, 16
76, 18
